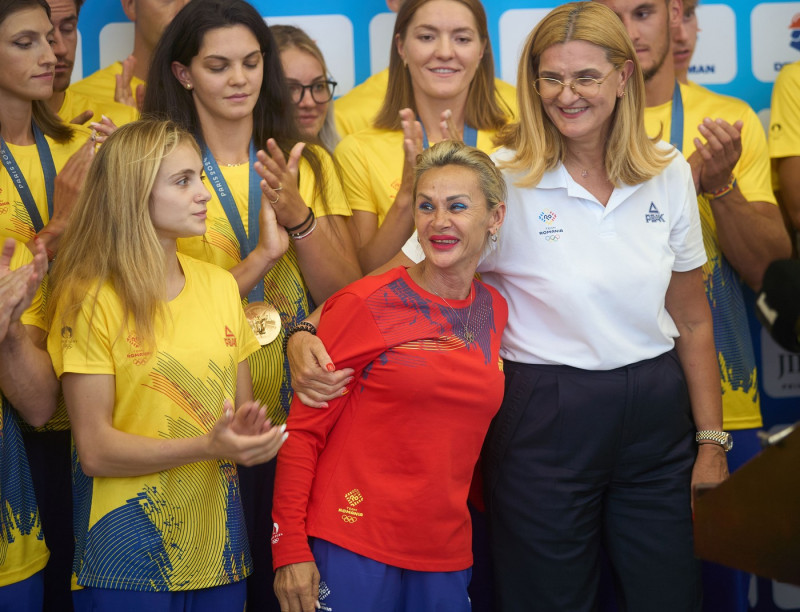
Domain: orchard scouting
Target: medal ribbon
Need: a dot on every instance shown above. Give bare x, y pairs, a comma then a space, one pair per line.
470, 136
49, 169
249, 239
676, 123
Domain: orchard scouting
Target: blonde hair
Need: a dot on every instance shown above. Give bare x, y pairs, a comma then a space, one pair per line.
631, 157
456, 153
292, 37
110, 235
482, 112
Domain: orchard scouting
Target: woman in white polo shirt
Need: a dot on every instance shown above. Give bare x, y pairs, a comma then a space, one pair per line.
609, 359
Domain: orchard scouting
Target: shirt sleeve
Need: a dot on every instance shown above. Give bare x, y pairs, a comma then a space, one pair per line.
752, 171
352, 339
686, 236
355, 175
334, 194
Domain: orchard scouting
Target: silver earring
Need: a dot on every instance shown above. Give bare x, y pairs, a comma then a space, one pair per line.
493, 237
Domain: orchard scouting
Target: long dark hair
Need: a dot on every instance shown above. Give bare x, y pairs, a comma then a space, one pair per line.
50, 123
165, 98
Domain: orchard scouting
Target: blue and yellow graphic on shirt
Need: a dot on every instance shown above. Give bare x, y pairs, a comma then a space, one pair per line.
182, 528
284, 286
737, 363
22, 548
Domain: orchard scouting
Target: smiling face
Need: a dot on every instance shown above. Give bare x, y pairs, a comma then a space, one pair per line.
64, 16
302, 68
225, 75
582, 120
27, 61
179, 197
442, 50
648, 24
453, 219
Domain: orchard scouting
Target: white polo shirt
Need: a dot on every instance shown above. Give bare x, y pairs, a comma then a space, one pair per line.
585, 283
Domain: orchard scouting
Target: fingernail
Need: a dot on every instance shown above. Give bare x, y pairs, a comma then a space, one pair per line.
323, 405
349, 380
330, 367
284, 436
104, 117
283, 427
345, 391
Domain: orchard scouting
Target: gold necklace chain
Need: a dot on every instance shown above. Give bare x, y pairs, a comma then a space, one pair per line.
469, 337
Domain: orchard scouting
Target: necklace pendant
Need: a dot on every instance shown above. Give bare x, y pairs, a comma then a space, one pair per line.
469, 337
584, 173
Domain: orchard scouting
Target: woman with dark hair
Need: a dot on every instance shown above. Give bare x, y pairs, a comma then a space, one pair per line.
441, 85
217, 72
36, 145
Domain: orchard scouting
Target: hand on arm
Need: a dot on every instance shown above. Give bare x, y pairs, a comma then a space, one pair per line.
297, 587
687, 305
751, 234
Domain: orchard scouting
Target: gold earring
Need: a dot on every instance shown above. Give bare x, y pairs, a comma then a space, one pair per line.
188, 85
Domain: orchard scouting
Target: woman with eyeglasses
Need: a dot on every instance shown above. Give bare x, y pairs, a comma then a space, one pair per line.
612, 406
278, 224
310, 87
441, 85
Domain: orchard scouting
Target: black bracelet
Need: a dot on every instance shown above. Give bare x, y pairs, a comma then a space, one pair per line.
307, 219
302, 326
301, 233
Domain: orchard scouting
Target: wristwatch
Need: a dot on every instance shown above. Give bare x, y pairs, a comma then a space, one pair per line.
723, 438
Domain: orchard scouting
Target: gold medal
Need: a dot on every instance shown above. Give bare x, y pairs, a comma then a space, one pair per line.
264, 321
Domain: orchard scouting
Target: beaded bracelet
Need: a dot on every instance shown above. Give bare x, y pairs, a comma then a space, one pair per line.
302, 326
305, 221
722, 191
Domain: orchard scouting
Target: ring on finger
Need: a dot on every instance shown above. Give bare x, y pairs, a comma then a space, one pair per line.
278, 188
277, 197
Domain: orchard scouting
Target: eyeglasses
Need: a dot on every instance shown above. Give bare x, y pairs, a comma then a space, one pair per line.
585, 87
321, 91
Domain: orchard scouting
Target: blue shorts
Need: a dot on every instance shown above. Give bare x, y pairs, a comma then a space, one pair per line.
349, 581
23, 596
225, 598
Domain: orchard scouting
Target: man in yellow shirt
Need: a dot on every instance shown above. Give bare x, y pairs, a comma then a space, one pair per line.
71, 106
743, 232
124, 81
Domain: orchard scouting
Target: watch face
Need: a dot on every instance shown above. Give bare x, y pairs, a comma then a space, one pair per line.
728, 442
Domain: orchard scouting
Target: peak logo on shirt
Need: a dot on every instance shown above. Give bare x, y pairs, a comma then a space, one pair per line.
653, 216
351, 514
230, 337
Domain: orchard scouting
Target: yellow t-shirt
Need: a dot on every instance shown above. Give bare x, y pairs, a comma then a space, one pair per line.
784, 121
737, 364
14, 219
284, 287
76, 103
356, 110
182, 528
102, 84
22, 548
371, 164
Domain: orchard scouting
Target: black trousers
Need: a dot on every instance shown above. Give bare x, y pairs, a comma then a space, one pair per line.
577, 460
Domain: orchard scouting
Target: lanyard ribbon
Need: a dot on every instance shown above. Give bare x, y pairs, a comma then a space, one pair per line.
49, 169
247, 239
470, 136
676, 124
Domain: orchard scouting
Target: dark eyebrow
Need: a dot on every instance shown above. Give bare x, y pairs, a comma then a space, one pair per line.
223, 58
